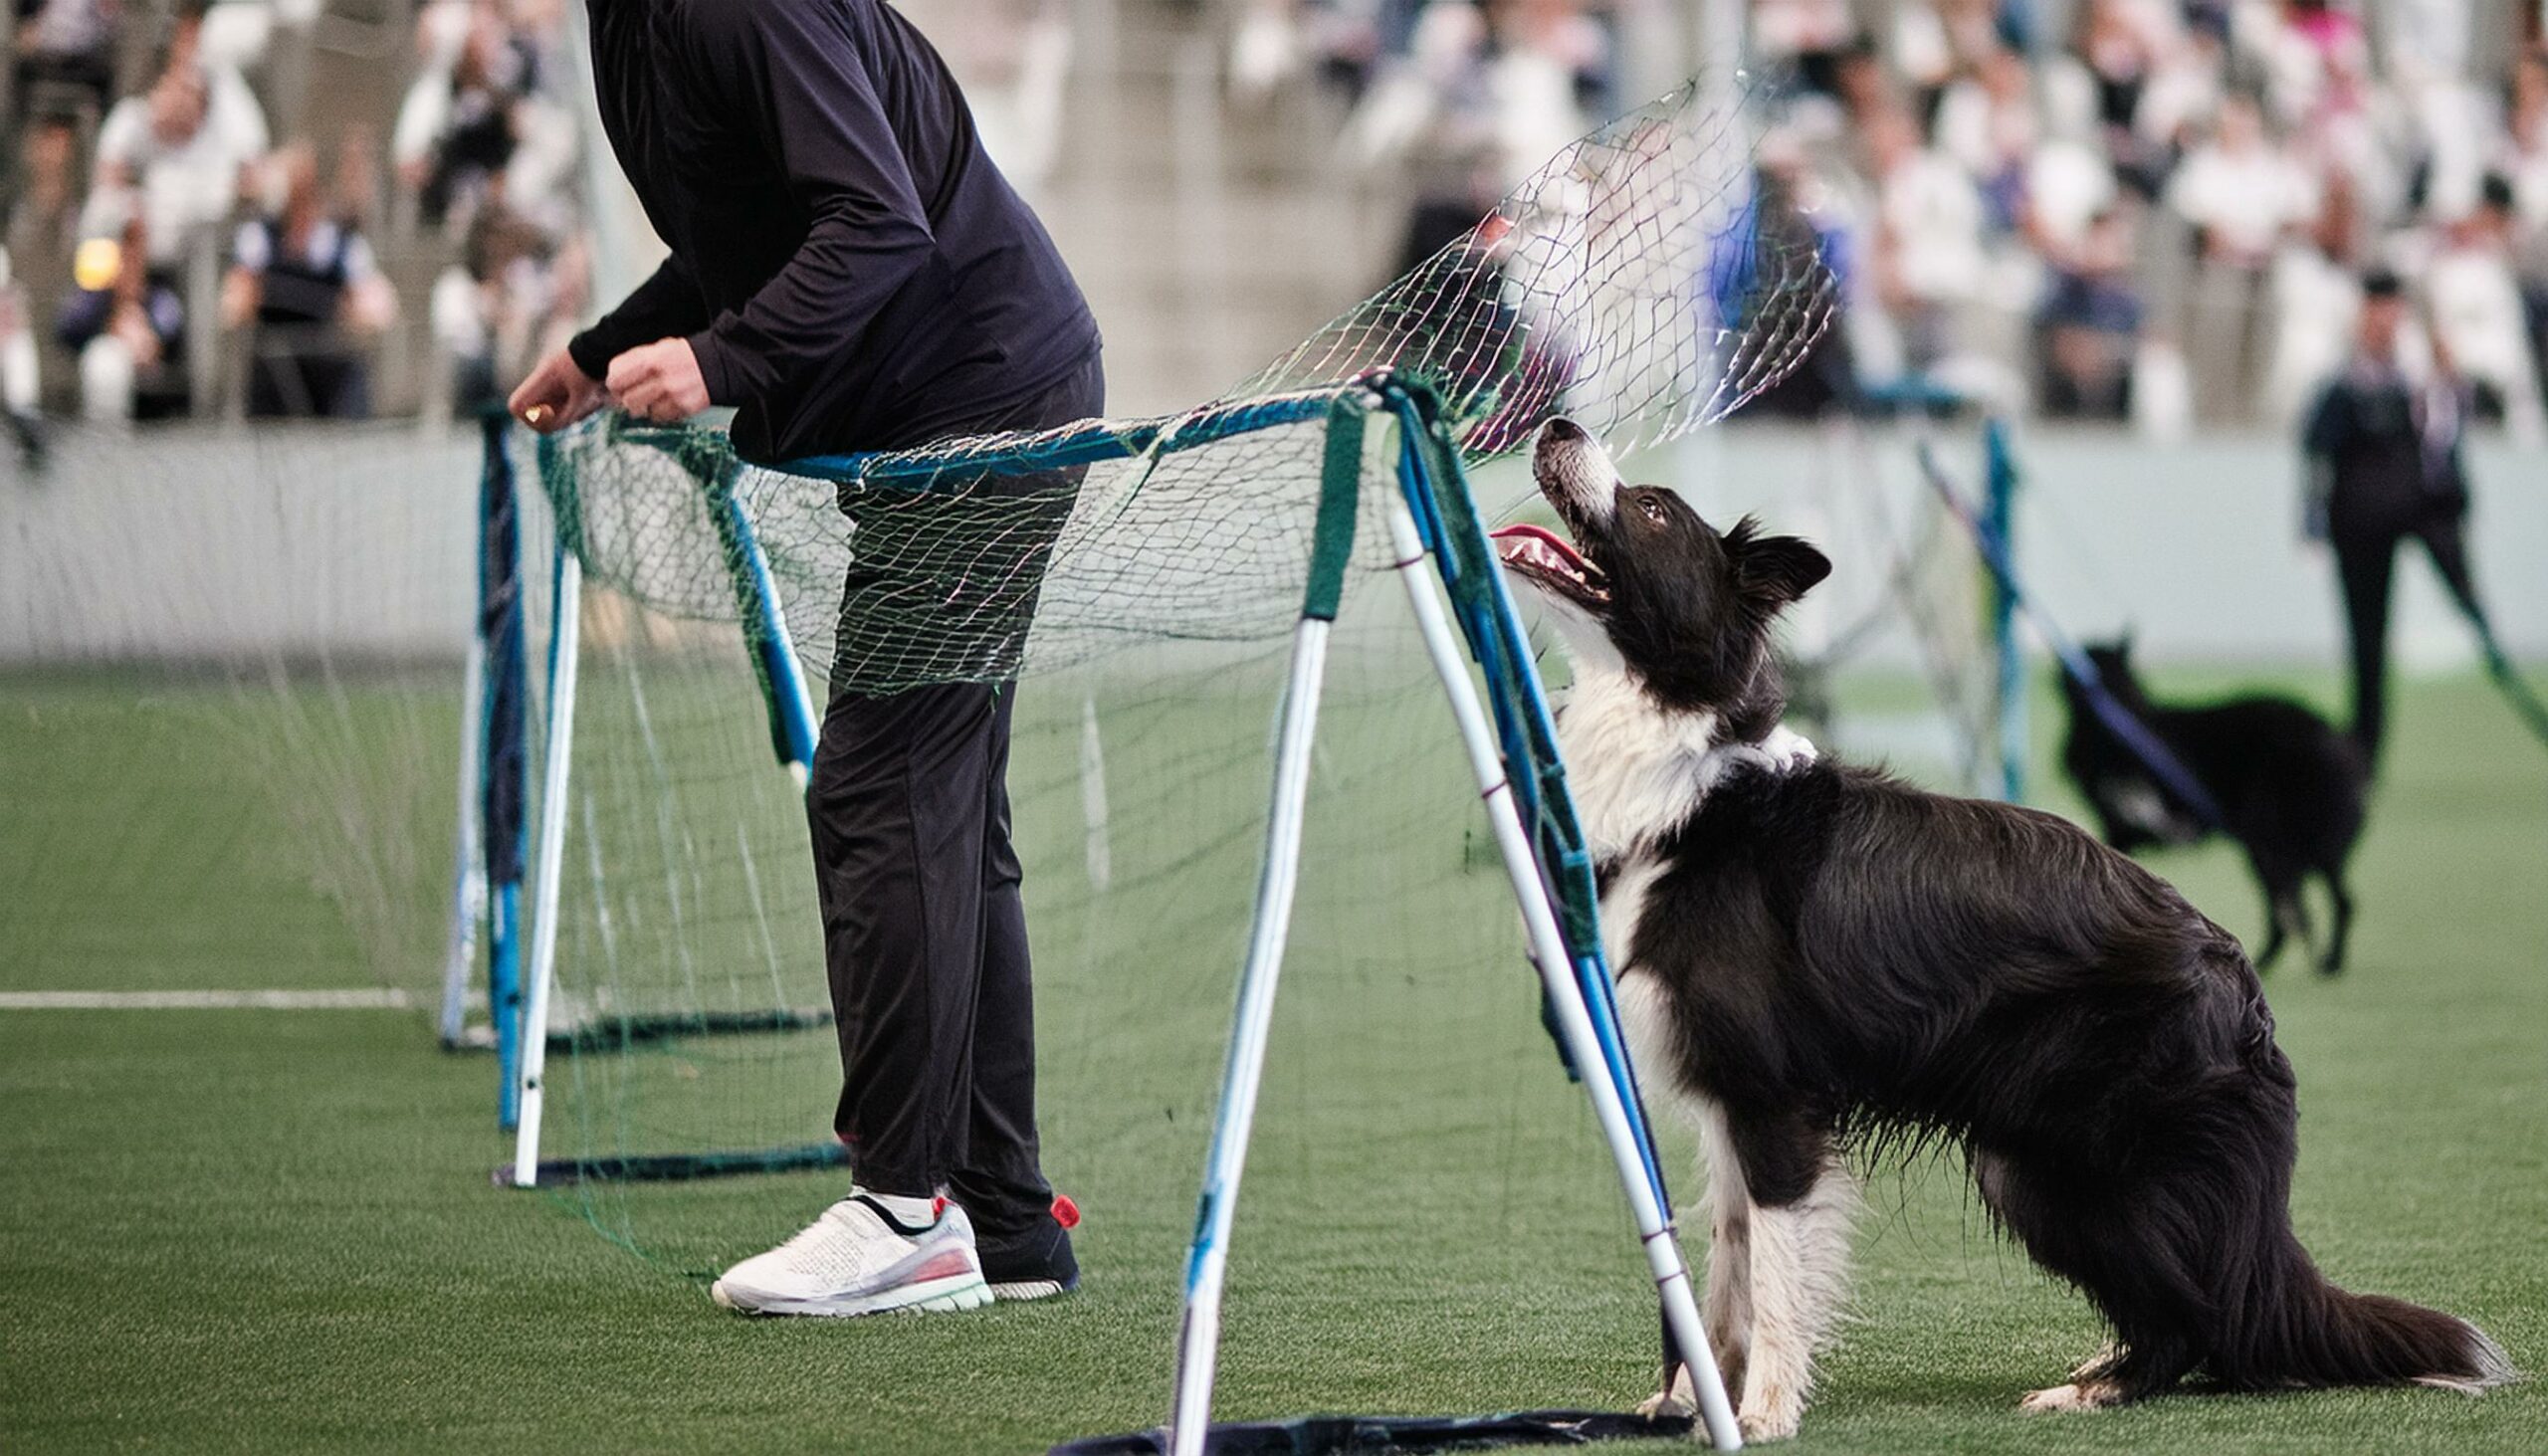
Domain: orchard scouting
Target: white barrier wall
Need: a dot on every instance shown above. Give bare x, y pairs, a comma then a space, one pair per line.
2196, 545
356, 541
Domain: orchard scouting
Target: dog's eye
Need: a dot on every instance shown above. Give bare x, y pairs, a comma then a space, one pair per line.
1652, 508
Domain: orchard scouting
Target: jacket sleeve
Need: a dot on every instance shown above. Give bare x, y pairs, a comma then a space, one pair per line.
666, 305
791, 73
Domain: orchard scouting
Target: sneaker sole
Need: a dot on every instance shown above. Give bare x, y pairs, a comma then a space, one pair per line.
1033, 1289
929, 1296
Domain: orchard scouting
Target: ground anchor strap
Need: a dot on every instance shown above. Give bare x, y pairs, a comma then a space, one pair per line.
1355, 1435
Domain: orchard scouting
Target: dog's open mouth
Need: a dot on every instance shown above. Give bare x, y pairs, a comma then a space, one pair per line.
1545, 557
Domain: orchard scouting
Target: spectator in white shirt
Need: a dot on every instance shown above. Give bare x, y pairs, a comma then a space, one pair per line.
2523, 158
2241, 190
2183, 91
462, 123
162, 159
2476, 308
1986, 123
2244, 196
1928, 262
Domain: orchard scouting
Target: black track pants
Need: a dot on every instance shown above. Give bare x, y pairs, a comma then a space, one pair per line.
2365, 562
923, 928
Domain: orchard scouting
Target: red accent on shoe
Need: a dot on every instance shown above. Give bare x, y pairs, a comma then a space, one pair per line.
945, 1266
937, 1207
1065, 1213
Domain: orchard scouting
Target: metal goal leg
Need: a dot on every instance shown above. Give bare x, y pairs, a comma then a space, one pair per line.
1207, 1262
564, 649
1565, 995
469, 871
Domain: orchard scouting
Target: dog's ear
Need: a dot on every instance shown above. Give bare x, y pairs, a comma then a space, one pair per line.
1777, 569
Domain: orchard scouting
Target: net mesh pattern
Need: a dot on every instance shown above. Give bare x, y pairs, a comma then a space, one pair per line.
1630, 282
1139, 579
1633, 281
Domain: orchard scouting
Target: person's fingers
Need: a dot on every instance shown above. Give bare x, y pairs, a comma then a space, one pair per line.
526, 393
545, 390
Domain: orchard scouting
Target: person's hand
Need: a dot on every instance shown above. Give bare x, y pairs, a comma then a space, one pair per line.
556, 395
131, 323
659, 381
240, 291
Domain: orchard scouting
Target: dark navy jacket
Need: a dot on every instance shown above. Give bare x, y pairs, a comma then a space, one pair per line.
846, 261
2384, 453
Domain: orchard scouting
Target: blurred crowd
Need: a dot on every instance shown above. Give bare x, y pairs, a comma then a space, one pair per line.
2148, 209
243, 207
2156, 210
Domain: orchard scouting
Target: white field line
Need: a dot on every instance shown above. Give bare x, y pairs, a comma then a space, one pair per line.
361, 998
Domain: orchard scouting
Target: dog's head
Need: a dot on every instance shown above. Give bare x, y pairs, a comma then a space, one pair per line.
2113, 664
1639, 584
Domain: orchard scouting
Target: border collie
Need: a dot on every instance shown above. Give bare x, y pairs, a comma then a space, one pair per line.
2289, 788
1818, 961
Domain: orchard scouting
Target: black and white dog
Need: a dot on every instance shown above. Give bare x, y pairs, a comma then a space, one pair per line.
1819, 960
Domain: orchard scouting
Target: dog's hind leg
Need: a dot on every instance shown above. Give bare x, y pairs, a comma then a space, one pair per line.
2276, 926
2089, 1236
2301, 924
2334, 962
1802, 1201
2274, 935
2286, 914
2012, 1201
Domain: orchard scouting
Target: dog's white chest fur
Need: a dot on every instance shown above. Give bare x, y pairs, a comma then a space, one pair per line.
1638, 772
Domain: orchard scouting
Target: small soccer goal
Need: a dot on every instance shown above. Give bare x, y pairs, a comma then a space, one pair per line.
1359, 480
1236, 747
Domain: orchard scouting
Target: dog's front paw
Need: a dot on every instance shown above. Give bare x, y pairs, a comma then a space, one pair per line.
1676, 1400
1769, 1413
2078, 1395
1666, 1405
1767, 1425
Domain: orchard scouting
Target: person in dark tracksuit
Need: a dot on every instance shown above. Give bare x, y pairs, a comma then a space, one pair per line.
2385, 468
851, 272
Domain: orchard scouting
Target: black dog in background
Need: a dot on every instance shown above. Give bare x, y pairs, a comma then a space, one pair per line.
2288, 786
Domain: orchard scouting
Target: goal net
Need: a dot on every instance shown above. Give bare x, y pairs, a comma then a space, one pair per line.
1138, 582
228, 760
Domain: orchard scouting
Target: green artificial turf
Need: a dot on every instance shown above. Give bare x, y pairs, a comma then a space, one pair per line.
274, 1230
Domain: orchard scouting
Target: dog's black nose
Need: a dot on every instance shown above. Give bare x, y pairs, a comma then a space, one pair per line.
1561, 428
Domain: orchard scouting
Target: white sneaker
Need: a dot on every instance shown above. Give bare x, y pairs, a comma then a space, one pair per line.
858, 1259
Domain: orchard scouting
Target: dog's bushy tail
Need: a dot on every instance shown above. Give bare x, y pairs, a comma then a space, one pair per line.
2318, 1334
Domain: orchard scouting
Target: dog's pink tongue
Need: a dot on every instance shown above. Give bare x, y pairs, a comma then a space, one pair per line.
1536, 545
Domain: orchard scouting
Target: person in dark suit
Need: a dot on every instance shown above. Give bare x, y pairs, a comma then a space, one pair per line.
851, 272
2384, 449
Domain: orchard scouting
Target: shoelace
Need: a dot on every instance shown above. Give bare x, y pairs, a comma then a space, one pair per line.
819, 1233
